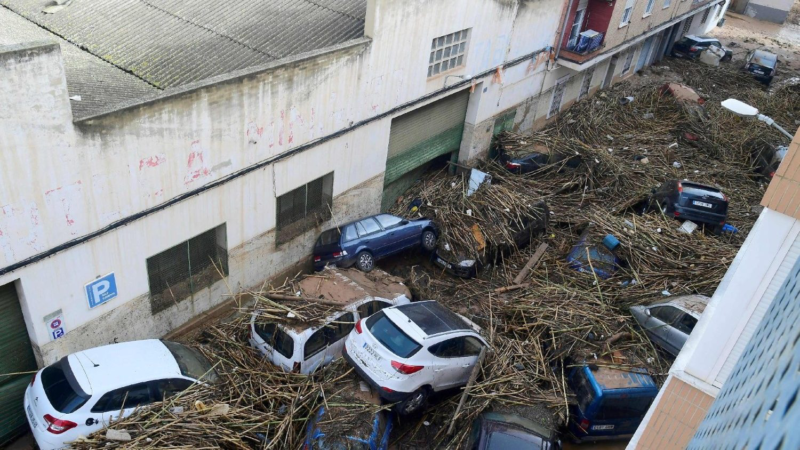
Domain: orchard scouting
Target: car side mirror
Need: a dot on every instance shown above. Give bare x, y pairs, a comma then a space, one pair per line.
647, 311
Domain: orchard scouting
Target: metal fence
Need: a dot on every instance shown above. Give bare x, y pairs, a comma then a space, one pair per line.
187, 268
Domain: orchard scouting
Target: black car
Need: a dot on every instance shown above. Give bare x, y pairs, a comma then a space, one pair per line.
762, 64
767, 159
367, 240
697, 202
497, 431
532, 162
691, 46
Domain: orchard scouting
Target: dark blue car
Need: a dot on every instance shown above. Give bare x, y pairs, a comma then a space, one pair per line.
367, 240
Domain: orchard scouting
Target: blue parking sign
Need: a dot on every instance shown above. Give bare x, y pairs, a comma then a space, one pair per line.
101, 290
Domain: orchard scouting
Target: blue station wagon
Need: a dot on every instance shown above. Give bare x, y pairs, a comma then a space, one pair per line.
367, 240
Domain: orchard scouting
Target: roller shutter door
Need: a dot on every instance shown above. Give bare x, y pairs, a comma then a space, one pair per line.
761, 309
17, 356
420, 136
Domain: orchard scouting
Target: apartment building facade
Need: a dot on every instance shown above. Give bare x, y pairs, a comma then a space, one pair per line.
155, 159
741, 324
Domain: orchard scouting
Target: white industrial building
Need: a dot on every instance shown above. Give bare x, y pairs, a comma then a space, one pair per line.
155, 157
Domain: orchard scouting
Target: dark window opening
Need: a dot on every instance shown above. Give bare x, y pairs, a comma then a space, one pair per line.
187, 268
304, 208
124, 398
276, 338
623, 408
61, 388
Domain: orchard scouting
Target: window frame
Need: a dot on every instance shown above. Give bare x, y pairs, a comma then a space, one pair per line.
654, 310
290, 221
368, 233
667, 3
648, 9
440, 45
319, 331
101, 406
273, 340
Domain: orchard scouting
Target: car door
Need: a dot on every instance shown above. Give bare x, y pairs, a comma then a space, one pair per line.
120, 403
660, 325
170, 387
393, 235
455, 359
314, 351
371, 236
407, 234
336, 332
683, 328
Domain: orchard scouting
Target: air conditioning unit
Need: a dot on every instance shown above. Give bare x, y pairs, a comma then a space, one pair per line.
589, 41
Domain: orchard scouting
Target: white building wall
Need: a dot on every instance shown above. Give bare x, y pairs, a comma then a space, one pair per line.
62, 180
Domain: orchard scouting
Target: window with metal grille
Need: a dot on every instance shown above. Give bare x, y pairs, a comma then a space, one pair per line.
687, 25
587, 83
705, 16
304, 208
448, 52
628, 61
180, 272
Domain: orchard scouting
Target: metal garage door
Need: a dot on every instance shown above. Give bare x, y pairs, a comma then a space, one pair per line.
420, 136
16, 356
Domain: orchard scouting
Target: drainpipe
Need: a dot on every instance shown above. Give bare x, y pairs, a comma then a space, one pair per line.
563, 27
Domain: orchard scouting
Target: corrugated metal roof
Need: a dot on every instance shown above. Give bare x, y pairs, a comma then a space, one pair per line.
169, 43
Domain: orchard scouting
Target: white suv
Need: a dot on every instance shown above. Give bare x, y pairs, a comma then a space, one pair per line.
407, 352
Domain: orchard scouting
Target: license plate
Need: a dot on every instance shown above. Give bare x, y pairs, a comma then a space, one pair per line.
372, 352
444, 263
603, 427
703, 204
34, 424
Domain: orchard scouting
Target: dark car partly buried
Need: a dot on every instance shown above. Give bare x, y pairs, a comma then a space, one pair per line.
498, 431
762, 64
531, 162
691, 47
367, 240
692, 201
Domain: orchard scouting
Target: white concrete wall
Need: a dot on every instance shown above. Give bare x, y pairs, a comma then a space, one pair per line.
60, 181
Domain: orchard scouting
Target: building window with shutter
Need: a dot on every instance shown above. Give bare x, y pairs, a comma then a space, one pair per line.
304, 208
178, 273
448, 52
626, 15
649, 9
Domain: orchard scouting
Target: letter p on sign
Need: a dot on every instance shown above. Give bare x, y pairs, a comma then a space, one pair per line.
101, 290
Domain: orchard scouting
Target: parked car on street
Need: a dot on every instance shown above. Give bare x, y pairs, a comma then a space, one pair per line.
610, 402
686, 200
85, 391
498, 431
691, 46
408, 352
367, 240
669, 324
762, 64
305, 346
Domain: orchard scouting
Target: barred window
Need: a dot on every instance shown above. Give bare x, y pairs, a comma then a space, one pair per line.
448, 52
180, 272
304, 208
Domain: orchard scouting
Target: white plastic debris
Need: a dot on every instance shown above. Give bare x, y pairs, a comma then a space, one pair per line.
688, 227
363, 386
446, 247
291, 315
476, 179
117, 435
611, 150
177, 410
469, 212
673, 145
677, 165
609, 137
220, 409
629, 224
655, 249
597, 161
77, 98
426, 423
665, 293
658, 230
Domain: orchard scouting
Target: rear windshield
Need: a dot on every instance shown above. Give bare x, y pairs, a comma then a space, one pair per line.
584, 392
62, 388
329, 237
688, 41
393, 338
191, 362
276, 338
696, 189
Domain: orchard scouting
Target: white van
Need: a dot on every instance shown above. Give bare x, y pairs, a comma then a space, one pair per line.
303, 346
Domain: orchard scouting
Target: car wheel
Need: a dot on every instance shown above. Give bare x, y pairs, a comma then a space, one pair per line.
663, 206
414, 403
428, 240
365, 262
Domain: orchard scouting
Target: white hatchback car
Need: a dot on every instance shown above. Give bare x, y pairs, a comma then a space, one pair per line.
407, 352
85, 391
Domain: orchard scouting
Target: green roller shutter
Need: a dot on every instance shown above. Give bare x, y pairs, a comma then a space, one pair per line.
16, 355
420, 136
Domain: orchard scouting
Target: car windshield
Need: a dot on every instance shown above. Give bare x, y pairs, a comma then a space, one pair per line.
62, 388
392, 337
584, 392
688, 41
697, 189
191, 362
329, 237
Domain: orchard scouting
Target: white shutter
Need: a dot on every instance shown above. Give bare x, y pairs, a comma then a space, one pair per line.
763, 304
